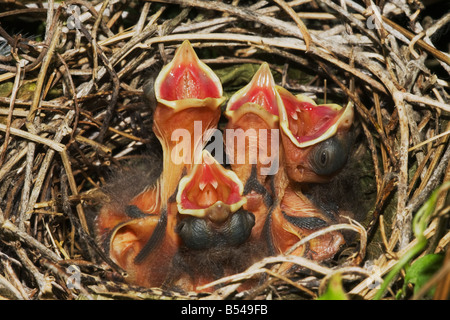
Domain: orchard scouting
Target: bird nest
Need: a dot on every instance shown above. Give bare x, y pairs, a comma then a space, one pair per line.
72, 109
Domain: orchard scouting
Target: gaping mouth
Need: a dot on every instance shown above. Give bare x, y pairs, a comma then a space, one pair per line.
211, 212
188, 93
188, 82
210, 203
258, 96
208, 184
306, 123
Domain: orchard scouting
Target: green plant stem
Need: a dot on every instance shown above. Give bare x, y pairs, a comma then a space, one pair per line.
399, 266
419, 225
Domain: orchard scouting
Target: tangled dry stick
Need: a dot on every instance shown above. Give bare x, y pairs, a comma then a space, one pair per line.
84, 112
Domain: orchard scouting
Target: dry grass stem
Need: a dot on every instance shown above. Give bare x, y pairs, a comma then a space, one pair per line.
74, 108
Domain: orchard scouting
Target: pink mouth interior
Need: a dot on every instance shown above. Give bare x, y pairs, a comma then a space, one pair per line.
193, 197
188, 82
307, 121
259, 94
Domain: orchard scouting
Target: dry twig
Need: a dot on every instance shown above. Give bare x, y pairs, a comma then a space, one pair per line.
85, 112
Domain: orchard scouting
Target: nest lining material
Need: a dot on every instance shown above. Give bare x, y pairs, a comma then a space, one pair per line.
72, 107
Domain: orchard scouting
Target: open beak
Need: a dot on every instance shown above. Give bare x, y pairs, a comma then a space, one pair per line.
187, 82
144, 249
258, 97
209, 184
316, 138
210, 202
189, 95
198, 204
252, 135
138, 237
142, 240
306, 123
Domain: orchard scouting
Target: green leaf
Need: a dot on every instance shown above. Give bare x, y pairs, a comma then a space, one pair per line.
334, 290
422, 270
419, 224
237, 75
6, 89
26, 91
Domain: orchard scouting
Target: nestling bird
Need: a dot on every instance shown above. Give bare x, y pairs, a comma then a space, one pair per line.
200, 220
